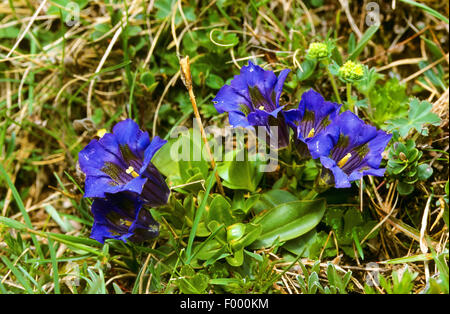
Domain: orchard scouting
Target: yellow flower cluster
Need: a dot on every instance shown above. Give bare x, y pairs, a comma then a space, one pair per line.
351, 71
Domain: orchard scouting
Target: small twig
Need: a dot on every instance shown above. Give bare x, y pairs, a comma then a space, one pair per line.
432, 65
186, 78
400, 62
344, 4
190, 183
144, 268
378, 225
154, 41
26, 29
166, 89
422, 242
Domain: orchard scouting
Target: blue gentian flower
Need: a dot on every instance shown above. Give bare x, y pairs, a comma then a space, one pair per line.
122, 216
121, 161
253, 99
313, 115
350, 149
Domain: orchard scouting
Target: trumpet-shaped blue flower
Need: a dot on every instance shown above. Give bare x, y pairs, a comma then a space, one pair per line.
313, 115
350, 149
121, 161
253, 99
122, 216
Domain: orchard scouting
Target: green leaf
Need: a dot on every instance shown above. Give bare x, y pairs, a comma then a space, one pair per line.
424, 171
63, 6
165, 10
251, 234
178, 160
61, 221
351, 42
306, 70
210, 249
132, 30
404, 188
224, 281
147, 78
357, 243
18, 274
191, 282
442, 266
225, 39
363, 42
235, 232
308, 245
273, 198
219, 210
427, 9
214, 81
419, 114
12, 223
409, 259
21, 206
100, 30
387, 101
198, 216
237, 259
214, 245
436, 79
240, 175
9, 32
288, 221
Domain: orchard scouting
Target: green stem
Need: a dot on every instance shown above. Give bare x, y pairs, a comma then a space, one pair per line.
349, 96
349, 93
311, 195
333, 82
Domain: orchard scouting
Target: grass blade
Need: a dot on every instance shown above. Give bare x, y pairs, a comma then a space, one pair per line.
363, 41
22, 209
198, 216
51, 248
18, 274
427, 9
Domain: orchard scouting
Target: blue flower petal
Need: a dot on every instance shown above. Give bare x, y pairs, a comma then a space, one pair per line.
127, 132
121, 161
311, 100
313, 116
355, 175
251, 76
98, 186
293, 115
155, 191
376, 147
92, 159
238, 119
154, 146
258, 118
122, 216
340, 177
252, 99
350, 148
320, 145
279, 85
374, 172
228, 99
359, 132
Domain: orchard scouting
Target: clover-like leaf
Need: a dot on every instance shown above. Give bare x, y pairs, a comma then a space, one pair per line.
419, 114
